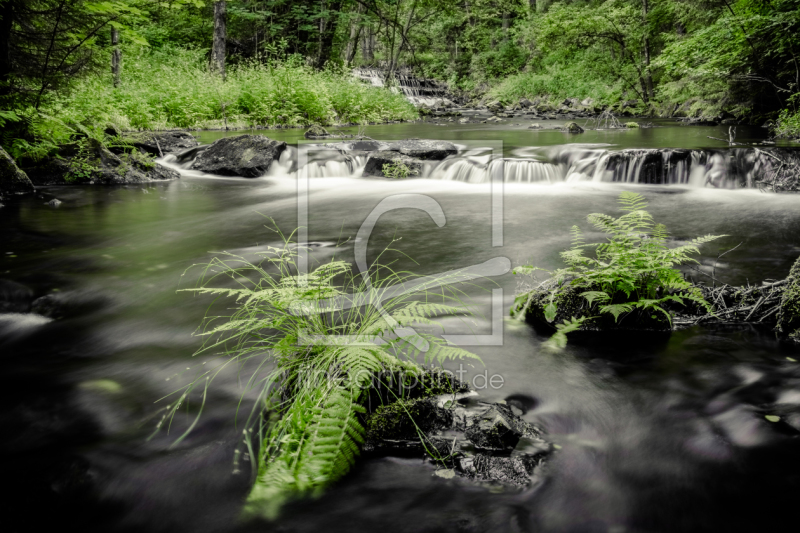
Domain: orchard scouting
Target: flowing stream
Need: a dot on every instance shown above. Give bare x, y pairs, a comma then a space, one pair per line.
667, 436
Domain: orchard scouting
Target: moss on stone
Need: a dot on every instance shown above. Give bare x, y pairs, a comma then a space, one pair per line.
789, 312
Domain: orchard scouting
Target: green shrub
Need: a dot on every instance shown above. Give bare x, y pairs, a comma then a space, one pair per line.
398, 170
632, 272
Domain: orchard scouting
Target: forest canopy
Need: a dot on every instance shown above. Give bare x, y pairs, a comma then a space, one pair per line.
708, 58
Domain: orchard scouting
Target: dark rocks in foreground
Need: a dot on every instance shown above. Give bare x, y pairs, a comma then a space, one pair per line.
480, 441
249, 156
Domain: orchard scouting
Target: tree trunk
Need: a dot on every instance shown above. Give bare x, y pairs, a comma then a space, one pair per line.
7, 12
648, 78
355, 35
368, 44
116, 56
532, 4
328, 33
506, 24
220, 36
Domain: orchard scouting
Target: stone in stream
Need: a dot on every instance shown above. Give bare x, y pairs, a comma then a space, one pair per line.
377, 160
569, 304
316, 132
249, 156
91, 161
480, 441
157, 144
789, 311
573, 127
14, 298
12, 179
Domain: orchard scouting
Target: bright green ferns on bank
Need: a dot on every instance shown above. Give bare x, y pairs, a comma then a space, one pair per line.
313, 344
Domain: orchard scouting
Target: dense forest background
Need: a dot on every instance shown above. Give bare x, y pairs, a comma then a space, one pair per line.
72, 65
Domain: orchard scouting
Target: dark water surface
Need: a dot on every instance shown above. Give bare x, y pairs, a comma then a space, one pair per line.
666, 437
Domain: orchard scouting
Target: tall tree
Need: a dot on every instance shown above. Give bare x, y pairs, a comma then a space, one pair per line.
329, 21
218, 49
116, 56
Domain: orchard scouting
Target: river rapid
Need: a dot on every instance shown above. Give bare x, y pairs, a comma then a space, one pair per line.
659, 437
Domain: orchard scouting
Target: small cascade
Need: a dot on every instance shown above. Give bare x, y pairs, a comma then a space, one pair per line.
720, 168
419, 91
512, 170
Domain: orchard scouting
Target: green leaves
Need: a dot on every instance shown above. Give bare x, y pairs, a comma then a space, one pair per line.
631, 272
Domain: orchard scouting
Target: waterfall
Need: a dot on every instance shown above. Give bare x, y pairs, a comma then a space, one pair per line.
720, 168
418, 91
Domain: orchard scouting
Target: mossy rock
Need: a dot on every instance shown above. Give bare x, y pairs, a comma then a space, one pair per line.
316, 132
789, 312
632, 125
570, 304
572, 127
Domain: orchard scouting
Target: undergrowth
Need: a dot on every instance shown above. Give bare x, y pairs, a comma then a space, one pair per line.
633, 271
172, 88
317, 342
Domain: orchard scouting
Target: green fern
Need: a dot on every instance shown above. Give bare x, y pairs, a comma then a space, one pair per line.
633, 271
326, 341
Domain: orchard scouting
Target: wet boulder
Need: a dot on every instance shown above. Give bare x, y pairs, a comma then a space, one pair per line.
377, 161
497, 428
316, 132
157, 144
14, 298
483, 442
573, 127
524, 103
789, 311
569, 304
92, 162
249, 156
424, 149
12, 179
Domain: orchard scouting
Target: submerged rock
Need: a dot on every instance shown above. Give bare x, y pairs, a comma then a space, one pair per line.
12, 179
249, 156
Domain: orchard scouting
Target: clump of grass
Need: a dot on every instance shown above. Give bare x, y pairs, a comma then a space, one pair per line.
324, 336
399, 170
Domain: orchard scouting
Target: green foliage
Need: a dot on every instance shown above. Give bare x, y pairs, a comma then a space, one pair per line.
398, 170
325, 338
632, 272
788, 124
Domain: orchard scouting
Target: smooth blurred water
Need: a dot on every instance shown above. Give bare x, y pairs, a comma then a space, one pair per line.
661, 437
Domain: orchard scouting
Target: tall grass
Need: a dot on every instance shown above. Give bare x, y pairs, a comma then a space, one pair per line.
172, 88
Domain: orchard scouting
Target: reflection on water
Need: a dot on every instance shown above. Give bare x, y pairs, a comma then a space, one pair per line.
671, 437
